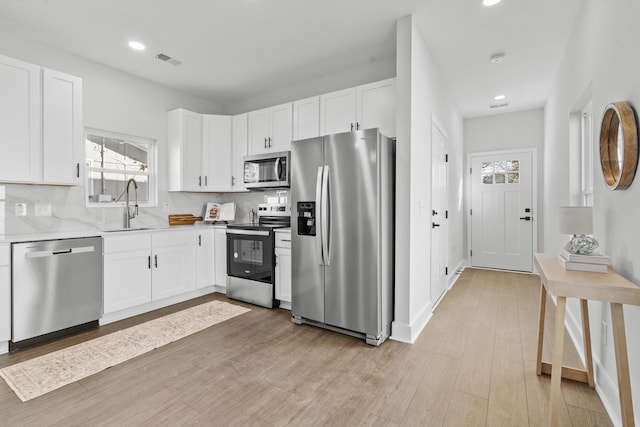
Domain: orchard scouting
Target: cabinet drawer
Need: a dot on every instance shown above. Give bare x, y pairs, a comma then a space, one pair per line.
283, 239
126, 242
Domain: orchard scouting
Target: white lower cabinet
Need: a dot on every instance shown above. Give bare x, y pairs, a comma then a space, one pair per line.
283, 268
5, 297
127, 271
144, 267
174, 263
220, 258
205, 257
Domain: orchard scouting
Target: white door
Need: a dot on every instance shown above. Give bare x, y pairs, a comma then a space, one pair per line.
502, 211
205, 272
174, 264
439, 212
280, 127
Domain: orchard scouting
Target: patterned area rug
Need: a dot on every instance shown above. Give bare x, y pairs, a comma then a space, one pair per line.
35, 377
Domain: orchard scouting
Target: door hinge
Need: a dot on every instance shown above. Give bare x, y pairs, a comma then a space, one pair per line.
446, 158
446, 271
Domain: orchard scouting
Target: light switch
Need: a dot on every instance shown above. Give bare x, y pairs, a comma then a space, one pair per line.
21, 209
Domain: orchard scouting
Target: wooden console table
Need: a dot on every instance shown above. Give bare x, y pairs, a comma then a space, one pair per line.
608, 287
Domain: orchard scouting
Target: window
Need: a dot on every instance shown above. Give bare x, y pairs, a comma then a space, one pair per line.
501, 172
586, 157
111, 160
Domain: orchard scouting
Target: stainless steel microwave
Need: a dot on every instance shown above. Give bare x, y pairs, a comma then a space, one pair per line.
270, 170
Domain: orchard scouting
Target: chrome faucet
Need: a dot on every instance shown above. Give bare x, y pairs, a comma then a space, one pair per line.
128, 216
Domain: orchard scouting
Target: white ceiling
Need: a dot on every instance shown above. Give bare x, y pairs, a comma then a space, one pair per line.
237, 49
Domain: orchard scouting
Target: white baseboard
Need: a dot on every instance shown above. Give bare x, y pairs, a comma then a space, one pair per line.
154, 305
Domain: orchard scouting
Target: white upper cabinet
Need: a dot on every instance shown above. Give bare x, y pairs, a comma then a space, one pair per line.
271, 129
306, 118
240, 137
62, 127
40, 124
216, 153
184, 151
199, 151
338, 112
362, 107
376, 106
20, 121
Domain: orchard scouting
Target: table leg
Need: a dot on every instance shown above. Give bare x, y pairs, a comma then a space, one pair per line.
555, 399
622, 364
543, 303
586, 337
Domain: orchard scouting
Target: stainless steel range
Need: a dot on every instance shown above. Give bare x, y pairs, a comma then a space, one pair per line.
251, 258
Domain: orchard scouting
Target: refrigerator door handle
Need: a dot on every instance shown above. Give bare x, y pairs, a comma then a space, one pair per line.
319, 255
326, 220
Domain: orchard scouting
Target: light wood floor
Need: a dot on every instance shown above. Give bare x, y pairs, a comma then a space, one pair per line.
474, 364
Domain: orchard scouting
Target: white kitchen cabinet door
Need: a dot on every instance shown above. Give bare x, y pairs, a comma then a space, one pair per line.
5, 293
240, 141
258, 131
281, 125
376, 106
20, 121
306, 118
271, 129
338, 112
283, 274
62, 127
205, 258
173, 264
216, 153
127, 276
184, 151
220, 253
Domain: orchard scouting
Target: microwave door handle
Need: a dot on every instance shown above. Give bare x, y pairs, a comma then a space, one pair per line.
276, 168
319, 255
326, 219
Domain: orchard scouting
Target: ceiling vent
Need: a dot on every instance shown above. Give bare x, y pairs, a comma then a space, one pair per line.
166, 58
504, 104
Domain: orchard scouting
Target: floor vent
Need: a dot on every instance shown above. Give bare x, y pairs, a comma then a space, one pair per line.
166, 58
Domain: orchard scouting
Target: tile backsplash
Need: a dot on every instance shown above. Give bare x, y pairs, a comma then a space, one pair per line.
69, 212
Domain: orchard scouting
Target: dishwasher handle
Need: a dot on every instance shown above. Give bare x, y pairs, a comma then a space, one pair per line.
69, 251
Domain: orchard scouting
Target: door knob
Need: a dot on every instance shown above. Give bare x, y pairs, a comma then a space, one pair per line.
526, 218
434, 212
434, 225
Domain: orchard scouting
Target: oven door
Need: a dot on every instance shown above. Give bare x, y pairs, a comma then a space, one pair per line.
250, 255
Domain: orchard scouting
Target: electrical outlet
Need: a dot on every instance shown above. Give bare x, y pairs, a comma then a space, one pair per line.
21, 209
165, 207
42, 209
603, 333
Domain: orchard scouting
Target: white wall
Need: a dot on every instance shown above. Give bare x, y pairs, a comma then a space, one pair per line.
509, 131
602, 55
113, 101
421, 96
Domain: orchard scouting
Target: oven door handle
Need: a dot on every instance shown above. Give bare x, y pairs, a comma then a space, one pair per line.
247, 232
319, 255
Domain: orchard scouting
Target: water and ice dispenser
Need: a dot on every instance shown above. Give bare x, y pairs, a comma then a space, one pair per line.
306, 218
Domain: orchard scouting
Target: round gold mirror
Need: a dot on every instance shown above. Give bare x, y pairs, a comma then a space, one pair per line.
618, 145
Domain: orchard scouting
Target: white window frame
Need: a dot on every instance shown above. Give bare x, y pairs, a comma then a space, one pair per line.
586, 155
151, 171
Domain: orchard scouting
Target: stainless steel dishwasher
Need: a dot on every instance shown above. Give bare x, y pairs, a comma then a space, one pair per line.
56, 284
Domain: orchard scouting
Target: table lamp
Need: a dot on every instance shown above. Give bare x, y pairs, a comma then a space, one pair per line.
578, 221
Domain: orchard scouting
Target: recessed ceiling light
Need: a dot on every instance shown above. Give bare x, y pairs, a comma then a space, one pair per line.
497, 58
490, 2
499, 97
136, 45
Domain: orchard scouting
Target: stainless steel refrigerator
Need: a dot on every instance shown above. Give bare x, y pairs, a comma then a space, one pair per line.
342, 230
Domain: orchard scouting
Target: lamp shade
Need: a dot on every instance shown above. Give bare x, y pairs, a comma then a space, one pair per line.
575, 220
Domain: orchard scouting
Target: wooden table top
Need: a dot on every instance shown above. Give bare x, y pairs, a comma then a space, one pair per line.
609, 287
